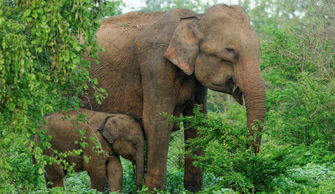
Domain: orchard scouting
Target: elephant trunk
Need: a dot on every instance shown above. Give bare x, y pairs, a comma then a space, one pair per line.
139, 166
255, 105
253, 88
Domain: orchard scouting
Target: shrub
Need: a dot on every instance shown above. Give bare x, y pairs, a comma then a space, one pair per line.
300, 98
226, 154
223, 137
42, 70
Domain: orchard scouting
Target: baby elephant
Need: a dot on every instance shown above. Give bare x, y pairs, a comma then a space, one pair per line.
118, 134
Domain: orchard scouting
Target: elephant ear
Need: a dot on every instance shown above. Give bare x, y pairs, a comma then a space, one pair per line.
184, 45
109, 128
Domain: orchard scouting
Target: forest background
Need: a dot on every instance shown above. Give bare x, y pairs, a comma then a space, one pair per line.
39, 58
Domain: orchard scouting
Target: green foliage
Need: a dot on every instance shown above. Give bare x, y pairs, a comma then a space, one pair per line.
226, 154
112, 8
223, 136
300, 94
286, 13
175, 164
306, 113
42, 70
74, 183
129, 177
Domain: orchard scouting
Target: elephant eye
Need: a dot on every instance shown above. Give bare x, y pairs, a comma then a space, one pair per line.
232, 52
226, 61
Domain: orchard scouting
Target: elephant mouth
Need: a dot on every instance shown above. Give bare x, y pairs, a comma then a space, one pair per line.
238, 95
235, 91
231, 88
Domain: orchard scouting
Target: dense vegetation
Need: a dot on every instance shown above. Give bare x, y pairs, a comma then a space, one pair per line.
39, 74
40, 53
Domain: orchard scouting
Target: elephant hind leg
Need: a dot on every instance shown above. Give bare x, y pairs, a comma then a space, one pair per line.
54, 175
193, 176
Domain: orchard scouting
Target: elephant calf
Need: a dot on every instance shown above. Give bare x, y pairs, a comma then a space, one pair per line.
118, 134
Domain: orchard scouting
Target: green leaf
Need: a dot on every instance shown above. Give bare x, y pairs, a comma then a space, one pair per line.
34, 15
27, 13
39, 49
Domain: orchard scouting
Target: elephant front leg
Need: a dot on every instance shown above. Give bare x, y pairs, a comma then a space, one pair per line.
159, 96
157, 130
114, 173
54, 175
157, 140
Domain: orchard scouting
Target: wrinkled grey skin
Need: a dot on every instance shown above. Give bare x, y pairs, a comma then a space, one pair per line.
120, 135
165, 61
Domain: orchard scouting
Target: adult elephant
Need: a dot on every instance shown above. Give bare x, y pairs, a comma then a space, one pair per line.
164, 61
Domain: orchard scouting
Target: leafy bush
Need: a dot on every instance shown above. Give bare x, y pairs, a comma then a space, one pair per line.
223, 136
304, 113
226, 154
42, 70
129, 176
300, 95
74, 183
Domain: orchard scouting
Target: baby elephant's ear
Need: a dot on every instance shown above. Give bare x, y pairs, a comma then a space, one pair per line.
109, 130
108, 136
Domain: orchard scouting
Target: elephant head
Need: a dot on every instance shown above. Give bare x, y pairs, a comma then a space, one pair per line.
222, 50
126, 138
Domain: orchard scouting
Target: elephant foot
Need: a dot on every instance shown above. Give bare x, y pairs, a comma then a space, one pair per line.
54, 182
154, 182
193, 185
193, 176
